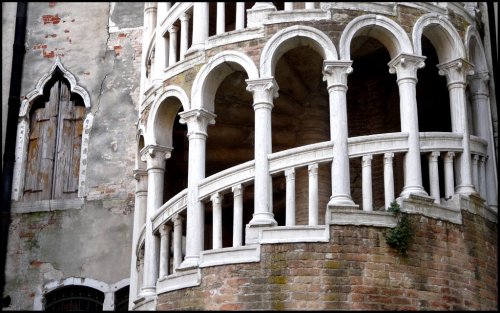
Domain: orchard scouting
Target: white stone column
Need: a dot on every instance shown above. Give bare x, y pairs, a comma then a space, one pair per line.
184, 34
482, 177
221, 18
197, 121
150, 9
449, 184
406, 66
313, 194
165, 231
290, 197
434, 176
200, 26
479, 94
216, 221
177, 258
161, 60
141, 193
309, 5
367, 182
240, 15
475, 171
172, 32
263, 91
288, 6
140, 272
237, 215
155, 158
388, 179
455, 72
335, 73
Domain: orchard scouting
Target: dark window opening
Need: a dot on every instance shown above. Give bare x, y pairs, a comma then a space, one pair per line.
74, 298
121, 299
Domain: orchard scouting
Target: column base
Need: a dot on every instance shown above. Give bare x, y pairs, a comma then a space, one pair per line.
263, 219
189, 263
413, 190
195, 48
341, 201
465, 190
148, 292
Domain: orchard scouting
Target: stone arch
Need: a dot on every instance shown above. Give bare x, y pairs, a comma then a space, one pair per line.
475, 50
213, 73
385, 30
140, 137
162, 116
292, 37
23, 129
444, 38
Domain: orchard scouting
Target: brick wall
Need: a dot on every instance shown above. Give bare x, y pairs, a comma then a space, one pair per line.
449, 267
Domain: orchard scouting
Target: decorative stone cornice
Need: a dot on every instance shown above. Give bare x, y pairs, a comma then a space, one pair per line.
197, 121
263, 91
456, 70
406, 65
335, 73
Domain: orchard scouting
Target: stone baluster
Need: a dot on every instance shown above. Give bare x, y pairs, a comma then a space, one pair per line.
155, 158
237, 215
309, 5
197, 121
263, 91
288, 6
172, 32
221, 18
165, 231
388, 179
405, 66
475, 171
290, 197
449, 182
367, 182
216, 221
335, 73
479, 95
434, 176
313, 194
177, 258
150, 9
482, 177
455, 72
184, 34
240, 15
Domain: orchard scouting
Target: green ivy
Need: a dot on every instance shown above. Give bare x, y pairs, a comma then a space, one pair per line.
400, 236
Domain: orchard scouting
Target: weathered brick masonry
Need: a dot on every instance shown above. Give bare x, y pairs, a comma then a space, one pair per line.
449, 267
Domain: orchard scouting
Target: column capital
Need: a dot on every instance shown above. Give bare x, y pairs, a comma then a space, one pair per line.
456, 70
185, 17
197, 121
312, 168
367, 160
263, 91
449, 156
405, 65
155, 156
478, 84
173, 29
178, 219
434, 155
335, 73
388, 156
475, 157
165, 229
139, 173
216, 198
290, 173
237, 190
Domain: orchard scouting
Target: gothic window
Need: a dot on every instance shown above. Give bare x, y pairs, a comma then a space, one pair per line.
55, 138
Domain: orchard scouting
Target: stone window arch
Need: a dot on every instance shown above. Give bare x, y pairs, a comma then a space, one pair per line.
52, 139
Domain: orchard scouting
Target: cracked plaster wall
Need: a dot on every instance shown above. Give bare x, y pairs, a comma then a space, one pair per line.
104, 55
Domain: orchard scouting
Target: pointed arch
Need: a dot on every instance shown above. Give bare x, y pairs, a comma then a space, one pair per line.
385, 30
292, 37
213, 73
443, 37
23, 128
162, 115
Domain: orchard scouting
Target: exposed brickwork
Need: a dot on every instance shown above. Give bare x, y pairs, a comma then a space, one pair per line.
449, 267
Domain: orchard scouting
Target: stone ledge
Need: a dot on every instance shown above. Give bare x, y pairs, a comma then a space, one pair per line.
359, 217
287, 234
426, 206
145, 303
179, 280
473, 204
233, 255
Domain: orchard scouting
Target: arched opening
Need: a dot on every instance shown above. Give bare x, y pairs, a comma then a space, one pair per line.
372, 108
74, 298
300, 117
176, 167
121, 299
55, 140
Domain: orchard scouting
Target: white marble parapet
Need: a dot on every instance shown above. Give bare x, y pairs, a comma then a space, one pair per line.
358, 217
179, 280
231, 255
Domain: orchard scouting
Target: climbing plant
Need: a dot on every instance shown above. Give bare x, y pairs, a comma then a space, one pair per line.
400, 236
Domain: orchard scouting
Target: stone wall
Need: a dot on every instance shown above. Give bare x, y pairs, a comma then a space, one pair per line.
448, 267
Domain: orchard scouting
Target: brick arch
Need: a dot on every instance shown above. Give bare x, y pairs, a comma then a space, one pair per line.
290, 38
444, 38
385, 30
162, 116
23, 129
214, 72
